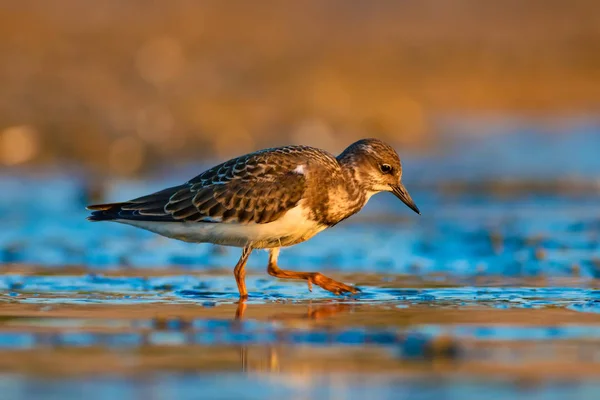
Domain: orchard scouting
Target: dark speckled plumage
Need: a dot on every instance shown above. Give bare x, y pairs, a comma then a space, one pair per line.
257, 187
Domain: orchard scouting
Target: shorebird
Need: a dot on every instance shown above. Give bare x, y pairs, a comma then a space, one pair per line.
268, 199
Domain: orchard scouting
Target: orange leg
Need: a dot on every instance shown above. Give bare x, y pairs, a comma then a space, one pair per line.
317, 278
240, 273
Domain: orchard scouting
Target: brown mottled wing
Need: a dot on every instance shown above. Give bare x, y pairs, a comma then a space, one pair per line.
258, 187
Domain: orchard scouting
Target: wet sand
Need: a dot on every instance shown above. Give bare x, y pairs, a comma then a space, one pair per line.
396, 328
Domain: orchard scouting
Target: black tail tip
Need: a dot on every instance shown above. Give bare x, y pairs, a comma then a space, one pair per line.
100, 216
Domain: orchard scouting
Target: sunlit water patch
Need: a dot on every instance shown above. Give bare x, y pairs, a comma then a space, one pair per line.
213, 290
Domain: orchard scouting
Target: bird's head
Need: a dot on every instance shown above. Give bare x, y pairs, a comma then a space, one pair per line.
377, 167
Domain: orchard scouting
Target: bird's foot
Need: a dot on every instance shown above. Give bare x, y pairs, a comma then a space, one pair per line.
329, 284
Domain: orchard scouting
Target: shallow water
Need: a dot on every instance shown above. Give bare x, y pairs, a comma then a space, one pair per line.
492, 293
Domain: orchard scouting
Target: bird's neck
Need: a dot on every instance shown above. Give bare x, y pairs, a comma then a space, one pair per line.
347, 196
352, 177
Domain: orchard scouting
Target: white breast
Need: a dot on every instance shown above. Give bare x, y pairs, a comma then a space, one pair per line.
293, 227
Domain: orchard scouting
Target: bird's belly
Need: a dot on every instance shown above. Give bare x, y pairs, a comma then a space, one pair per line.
292, 228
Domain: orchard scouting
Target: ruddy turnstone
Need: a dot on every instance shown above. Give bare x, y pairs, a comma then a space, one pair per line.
267, 200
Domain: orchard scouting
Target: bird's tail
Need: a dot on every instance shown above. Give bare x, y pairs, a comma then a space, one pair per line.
105, 212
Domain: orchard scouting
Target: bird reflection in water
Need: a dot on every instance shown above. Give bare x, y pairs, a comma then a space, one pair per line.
314, 312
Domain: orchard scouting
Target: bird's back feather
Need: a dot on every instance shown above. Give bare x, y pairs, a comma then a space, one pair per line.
256, 188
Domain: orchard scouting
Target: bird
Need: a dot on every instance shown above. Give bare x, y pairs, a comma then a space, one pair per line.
268, 199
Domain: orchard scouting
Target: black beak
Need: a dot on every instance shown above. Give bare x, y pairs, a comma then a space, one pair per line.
400, 191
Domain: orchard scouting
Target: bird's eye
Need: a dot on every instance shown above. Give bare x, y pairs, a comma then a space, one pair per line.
385, 168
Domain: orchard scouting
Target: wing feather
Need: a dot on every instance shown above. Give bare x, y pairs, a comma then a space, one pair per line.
258, 188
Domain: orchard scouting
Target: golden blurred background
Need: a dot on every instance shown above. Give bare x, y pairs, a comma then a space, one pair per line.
123, 86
